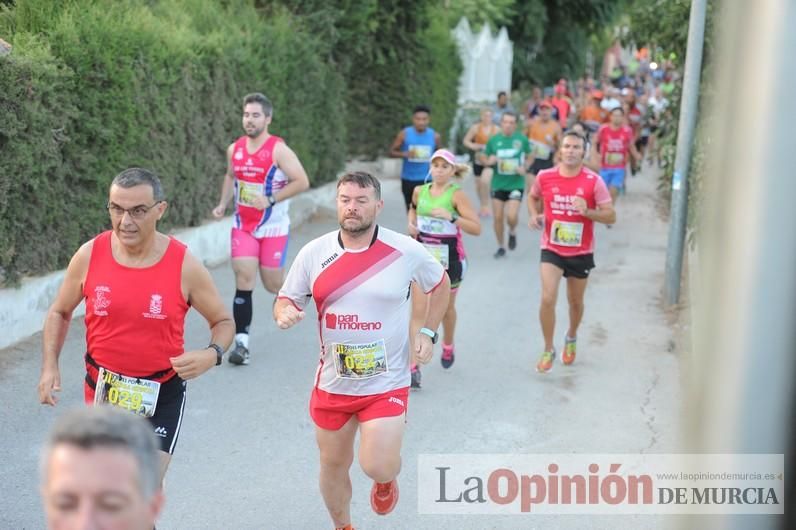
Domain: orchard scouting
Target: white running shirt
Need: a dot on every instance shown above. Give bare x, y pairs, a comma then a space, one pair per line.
362, 298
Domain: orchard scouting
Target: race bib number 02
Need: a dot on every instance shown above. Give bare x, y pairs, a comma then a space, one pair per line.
566, 234
139, 396
248, 192
360, 361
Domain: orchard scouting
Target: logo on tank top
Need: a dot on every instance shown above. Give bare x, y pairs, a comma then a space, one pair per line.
101, 300
155, 307
349, 322
239, 154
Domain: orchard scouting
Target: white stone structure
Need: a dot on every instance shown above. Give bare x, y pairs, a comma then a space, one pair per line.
487, 62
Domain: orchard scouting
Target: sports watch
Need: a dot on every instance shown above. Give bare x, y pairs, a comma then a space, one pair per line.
433, 335
219, 352
271, 199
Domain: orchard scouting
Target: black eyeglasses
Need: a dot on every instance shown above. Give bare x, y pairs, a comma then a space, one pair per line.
136, 212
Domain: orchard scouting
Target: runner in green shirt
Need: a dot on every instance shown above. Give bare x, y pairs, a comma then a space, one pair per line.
507, 157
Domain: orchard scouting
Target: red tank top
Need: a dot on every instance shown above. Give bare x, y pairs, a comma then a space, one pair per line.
134, 316
255, 175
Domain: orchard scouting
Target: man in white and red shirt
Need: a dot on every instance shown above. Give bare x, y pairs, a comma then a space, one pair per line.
572, 198
614, 143
262, 174
360, 278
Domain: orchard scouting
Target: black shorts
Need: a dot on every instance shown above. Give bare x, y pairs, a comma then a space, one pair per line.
456, 270
539, 165
407, 188
574, 266
477, 169
167, 420
507, 195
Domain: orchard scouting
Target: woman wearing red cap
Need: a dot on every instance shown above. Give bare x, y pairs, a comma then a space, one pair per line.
439, 212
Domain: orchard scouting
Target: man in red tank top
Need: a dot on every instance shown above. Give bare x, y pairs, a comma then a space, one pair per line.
138, 285
262, 174
572, 198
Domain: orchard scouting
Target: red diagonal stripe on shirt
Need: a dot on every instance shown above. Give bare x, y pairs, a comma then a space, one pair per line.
349, 271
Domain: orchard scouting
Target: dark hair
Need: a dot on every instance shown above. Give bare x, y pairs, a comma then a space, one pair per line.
574, 135
620, 109
135, 176
104, 427
502, 93
421, 108
264, 102
362, 179
509, 113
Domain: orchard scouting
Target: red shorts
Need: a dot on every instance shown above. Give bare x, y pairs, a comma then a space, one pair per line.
270, 251
332, 411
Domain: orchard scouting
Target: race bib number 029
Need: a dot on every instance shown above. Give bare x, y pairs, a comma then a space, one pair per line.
566, 234
139, 396
248, 192
360, 361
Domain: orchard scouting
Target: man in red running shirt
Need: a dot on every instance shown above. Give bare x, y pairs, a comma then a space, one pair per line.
138, 285
572, 198
614, 141
262, 174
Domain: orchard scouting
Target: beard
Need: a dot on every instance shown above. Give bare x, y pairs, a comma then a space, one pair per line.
362, 227
253, 132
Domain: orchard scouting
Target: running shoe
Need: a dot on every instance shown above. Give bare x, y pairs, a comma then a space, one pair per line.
568, 355
447, 356
384, 497
415, 377
545, 363
500, 253
512, 241
240, 355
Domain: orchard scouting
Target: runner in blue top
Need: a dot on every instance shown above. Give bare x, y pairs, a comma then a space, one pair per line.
415, 144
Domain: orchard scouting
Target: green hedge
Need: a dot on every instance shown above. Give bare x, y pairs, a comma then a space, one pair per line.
94, 86
98, 86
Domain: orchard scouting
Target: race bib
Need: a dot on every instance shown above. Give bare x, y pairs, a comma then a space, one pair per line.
614, 159
541, 151
435, 226
419, 153
139, 396
360, 361
440, 253
508, 166
566, 234
248, 192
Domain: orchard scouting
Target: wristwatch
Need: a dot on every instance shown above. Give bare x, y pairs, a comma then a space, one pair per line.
271, 199
433, 335
454, 217
219, 352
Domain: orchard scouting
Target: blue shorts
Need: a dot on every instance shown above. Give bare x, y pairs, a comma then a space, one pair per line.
613, 177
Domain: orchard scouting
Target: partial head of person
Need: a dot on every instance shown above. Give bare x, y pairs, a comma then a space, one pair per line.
421, 116
486, 116
257, 114
545, 110
358, 202
502, 99
444, 167
508, 123
578, 128
100, 469
573, 148
617, 116
536, 93
136, 202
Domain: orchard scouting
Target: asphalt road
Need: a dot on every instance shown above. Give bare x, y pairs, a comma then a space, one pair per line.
247, 458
